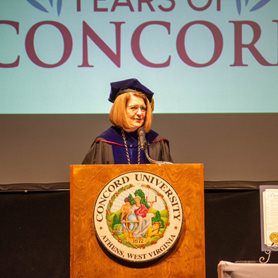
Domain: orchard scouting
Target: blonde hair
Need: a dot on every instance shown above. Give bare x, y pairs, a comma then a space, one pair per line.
118, 116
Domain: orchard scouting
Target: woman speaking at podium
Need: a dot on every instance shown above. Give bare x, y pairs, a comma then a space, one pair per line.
130, 139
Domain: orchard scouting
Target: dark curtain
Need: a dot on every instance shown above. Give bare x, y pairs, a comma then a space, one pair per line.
34, 234
35, 239
232, 223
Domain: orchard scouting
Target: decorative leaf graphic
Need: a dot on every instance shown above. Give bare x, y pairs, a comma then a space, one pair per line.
37, 5
259, 5
238, 5
59, 6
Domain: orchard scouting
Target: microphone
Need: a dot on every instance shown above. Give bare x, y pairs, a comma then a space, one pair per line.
142, 138
143, 146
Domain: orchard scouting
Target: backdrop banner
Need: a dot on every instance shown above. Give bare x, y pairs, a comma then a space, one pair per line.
212, 56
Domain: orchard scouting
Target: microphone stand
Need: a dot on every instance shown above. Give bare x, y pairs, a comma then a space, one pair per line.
143, 146
152, 161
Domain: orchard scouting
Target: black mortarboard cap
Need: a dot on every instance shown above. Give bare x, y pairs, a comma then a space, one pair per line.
134, 84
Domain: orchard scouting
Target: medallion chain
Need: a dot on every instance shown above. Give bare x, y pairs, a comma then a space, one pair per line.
127, 152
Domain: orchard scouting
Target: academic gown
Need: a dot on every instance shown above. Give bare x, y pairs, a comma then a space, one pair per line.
109, 148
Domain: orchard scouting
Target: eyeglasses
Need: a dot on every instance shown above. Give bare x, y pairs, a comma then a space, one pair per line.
137, 108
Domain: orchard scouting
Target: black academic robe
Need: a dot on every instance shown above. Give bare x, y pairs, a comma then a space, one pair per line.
109, 148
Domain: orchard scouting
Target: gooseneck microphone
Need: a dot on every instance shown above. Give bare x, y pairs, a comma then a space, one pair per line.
142, 138
144, 146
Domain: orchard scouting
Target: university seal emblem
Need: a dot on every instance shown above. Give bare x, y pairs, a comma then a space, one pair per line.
138, 217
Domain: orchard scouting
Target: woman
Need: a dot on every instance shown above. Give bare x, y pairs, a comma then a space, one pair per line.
132, 108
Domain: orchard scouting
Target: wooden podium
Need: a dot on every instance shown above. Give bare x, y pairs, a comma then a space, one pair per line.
88, 259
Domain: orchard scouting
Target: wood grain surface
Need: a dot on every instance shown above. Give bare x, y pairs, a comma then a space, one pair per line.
88, 259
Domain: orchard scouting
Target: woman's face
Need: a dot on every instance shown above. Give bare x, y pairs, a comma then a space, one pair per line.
136, 112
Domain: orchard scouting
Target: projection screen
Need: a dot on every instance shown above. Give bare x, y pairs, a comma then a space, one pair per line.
198, 56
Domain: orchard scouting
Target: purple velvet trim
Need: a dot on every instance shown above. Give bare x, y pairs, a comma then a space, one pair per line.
113, 136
